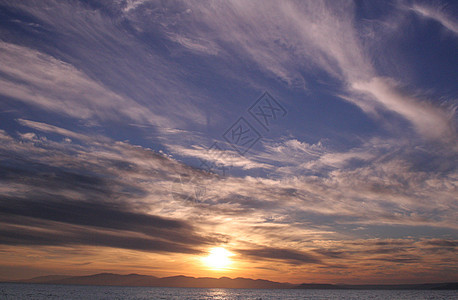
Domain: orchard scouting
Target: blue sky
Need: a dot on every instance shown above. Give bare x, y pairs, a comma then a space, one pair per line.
117, 106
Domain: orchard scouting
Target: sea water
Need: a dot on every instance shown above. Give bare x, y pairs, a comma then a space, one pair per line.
47, 291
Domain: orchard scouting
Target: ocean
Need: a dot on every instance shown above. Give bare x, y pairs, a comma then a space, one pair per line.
47, 291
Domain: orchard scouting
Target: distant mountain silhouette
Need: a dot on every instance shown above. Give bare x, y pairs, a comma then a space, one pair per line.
424, 286
45, 279
110, 279
145, 280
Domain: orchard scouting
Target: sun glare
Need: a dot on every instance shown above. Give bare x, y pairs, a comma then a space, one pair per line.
218, 258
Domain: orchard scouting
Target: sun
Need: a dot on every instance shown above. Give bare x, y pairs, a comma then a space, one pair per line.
218, 258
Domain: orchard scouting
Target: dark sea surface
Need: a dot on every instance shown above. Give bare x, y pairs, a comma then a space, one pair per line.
47, 291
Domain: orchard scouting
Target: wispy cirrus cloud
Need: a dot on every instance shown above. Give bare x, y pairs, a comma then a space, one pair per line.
90, 197
109, 73
312, 36
429, 120
123, 194
437, 13
63, 88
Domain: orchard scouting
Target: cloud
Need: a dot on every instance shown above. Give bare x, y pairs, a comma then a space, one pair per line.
290, 256
429, 120
63, 89
443, 243
97, 67
286, 39
115, 195
129, 63
203, 46
65, 194
381, 177
11, 235
436, 13
53, 129
218, 157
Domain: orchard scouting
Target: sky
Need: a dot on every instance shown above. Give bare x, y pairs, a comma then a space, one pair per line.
303, 141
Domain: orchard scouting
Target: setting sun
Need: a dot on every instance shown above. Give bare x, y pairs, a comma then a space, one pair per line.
218, 258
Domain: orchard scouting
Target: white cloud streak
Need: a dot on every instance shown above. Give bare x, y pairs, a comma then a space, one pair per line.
436, 13
297, 212
53, 85
286, 38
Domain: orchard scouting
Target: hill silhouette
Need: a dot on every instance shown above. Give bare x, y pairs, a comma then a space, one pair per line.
110, 279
